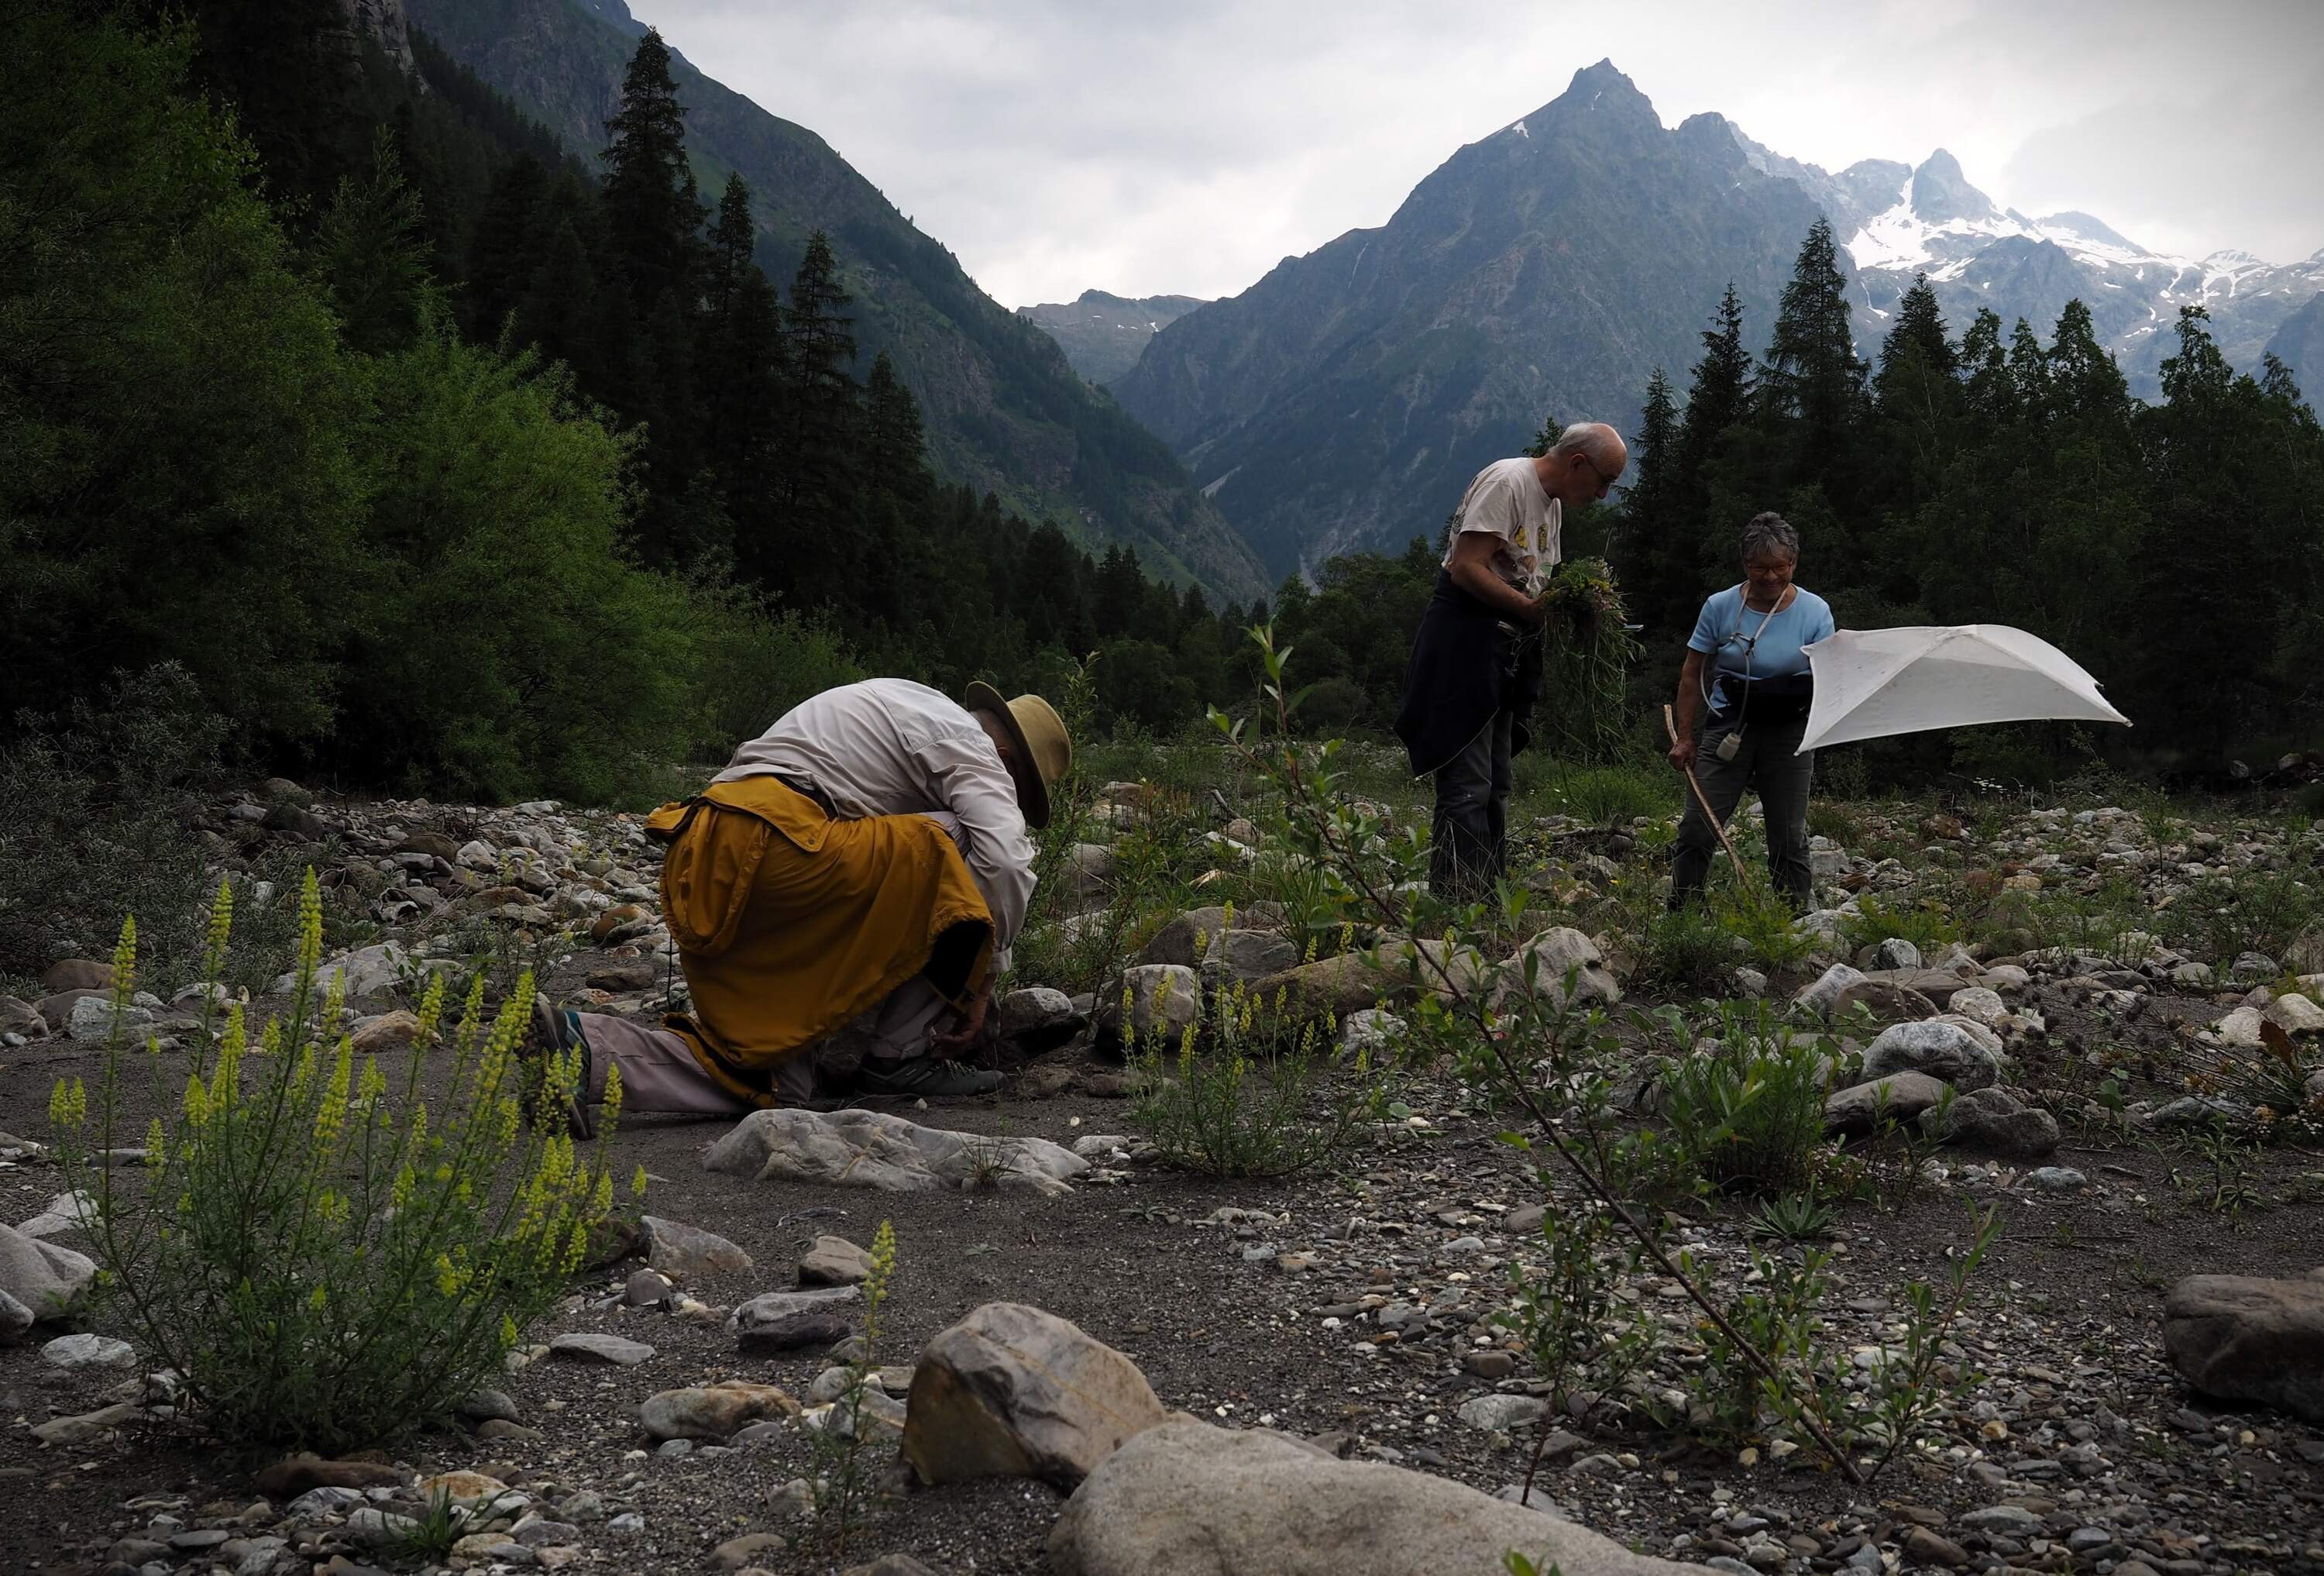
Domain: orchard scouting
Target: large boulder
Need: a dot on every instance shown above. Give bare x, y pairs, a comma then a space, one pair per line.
1993, 1122
689, 1252
1162, 1002
1013, 1392
871, 1148
47, 1279
1900, 1097
1957, 1051
1193, 1500
1341, 986
1241, 956
1038, 1019
1184, 939
2243, 1338
1548, 960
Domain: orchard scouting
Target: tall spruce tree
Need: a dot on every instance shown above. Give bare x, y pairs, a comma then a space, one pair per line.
1812, 392
819, 459
650, 317
740, 363
1653, 546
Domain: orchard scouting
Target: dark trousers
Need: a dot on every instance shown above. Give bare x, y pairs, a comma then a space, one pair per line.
1469, 846
1768, 763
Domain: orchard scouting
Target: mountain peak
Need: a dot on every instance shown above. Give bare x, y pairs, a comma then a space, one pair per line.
1941, 192
1603, 87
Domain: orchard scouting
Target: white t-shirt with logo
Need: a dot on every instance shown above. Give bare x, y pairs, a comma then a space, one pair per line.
1507, 499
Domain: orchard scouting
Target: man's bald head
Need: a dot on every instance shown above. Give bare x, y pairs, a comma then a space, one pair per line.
1588, 458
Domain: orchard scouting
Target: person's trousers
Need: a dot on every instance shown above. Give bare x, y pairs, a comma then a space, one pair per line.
1469, 840
659, 1073
1768, 763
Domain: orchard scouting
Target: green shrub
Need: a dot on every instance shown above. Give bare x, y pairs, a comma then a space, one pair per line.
1748, 1115
1688, 949
2260, 911
1604, 795
1223, 1111
1927, 924
323, 1264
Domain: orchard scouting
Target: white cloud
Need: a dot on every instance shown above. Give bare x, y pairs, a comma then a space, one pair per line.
1057, 146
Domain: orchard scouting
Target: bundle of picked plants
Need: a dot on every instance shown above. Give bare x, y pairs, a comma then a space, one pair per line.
1587, 652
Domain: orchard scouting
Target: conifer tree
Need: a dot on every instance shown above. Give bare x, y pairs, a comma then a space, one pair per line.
1653, 549
896, 443
1813, 380
504, 250
819, 460
742, 369
654, 213
373, 255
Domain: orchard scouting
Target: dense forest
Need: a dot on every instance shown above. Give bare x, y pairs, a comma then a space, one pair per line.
440, 460
442, 457
2175, 550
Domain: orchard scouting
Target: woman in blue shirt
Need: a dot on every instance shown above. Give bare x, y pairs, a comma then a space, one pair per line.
1745, 662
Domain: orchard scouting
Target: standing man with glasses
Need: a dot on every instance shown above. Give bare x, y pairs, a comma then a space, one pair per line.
1476, 665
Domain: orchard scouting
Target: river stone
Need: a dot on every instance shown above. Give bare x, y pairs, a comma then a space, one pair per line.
1345, 984
86, 1353
1504, 1413
1821, 994
871, 1148
2295, 1014
834, 1261
1193, 1500
1164, 1000
592, 1347
1954, 1051
1547, 959
92, 1018
88, 1427
1895, 953
77, 974
1013, 1392
1038, 1019
715, 1411
1183, 939
1853, 1111
48, 1279
689, 1252
1241, 956
1995, 1122
2243, 1338
367, 971
1977, 1004
766, 1313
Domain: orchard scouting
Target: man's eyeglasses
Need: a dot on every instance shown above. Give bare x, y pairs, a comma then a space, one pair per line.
1605, 482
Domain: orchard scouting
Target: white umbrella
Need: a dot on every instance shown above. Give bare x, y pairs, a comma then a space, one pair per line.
1872, 682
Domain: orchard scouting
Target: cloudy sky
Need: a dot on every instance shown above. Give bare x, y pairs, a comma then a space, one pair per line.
1186, 147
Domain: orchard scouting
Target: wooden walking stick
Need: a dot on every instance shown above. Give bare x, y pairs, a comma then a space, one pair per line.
1742, 872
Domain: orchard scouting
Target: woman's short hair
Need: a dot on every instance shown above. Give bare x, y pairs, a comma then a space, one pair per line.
1770, 534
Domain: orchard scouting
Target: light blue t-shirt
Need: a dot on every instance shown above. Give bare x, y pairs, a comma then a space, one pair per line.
1774, 655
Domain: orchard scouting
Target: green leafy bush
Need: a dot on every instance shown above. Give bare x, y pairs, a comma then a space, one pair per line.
325, 1263
1926, 924
1227, 1110
1747, 1113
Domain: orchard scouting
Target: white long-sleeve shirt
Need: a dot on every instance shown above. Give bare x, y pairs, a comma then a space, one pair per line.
890, 747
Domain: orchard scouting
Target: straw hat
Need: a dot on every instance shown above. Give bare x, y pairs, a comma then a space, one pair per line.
1044, 750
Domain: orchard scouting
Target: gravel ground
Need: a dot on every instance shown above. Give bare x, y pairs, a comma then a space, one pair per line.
1271, 1303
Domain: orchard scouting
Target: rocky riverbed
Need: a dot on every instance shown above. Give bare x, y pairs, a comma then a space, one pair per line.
1289, 1376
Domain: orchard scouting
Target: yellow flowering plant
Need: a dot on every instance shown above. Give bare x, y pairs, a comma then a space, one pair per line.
324, 1255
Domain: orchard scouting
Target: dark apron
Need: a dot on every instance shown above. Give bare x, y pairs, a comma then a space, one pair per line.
1467, 664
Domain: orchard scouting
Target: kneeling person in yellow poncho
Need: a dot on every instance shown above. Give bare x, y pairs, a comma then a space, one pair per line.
857, 872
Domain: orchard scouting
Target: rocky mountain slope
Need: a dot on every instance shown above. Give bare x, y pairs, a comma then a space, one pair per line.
1343, 400
1103, 335
1897, 220
1005, 410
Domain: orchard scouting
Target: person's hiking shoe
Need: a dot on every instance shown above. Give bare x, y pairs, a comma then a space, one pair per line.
923, 1075
551, 1031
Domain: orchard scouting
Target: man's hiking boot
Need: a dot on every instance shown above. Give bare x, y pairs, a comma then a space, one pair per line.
923, 1075
551, 1031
